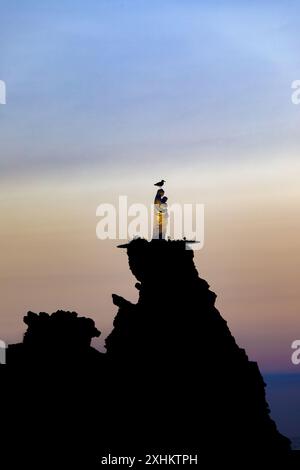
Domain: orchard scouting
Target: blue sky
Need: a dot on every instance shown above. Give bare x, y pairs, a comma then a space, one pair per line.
120, 82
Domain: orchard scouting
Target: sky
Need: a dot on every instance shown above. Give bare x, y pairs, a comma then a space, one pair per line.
106, 97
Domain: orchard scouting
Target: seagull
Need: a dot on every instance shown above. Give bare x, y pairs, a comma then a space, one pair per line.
160, 183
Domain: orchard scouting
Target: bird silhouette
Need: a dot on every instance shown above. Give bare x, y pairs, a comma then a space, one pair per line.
160, 183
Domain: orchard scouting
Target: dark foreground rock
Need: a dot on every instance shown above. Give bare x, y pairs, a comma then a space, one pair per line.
173, 379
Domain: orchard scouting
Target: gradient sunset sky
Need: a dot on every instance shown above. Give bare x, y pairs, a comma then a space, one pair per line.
106, 97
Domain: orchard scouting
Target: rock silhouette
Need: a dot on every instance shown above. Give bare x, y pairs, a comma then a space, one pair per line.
176, 353
173, 379
54, 393
60, 338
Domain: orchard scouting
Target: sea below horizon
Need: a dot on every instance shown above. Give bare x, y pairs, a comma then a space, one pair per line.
283, 396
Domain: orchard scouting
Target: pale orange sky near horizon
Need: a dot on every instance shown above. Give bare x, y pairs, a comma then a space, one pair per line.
51, 258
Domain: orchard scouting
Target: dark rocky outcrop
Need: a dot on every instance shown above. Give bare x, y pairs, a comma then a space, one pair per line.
173, 379
180, 365
60, 338
53, 394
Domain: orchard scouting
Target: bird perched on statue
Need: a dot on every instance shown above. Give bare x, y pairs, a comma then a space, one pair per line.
160, 183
